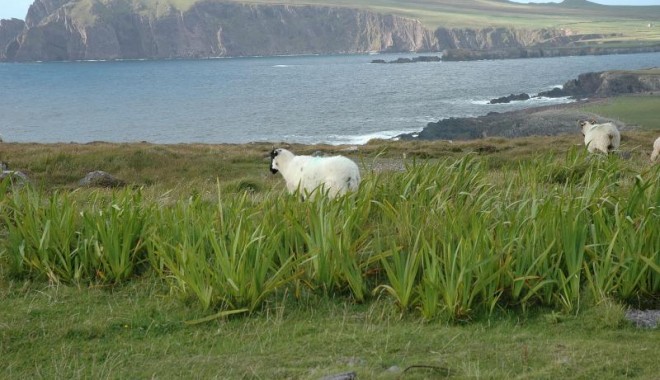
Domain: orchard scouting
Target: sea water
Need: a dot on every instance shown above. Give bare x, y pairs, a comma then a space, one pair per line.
336, 99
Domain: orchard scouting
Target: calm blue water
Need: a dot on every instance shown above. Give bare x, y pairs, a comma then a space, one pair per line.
308, 99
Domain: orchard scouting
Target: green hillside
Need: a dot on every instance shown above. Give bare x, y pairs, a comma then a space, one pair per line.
580, 16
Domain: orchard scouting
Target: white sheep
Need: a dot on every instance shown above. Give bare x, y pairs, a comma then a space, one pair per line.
656, 149
604, 137
337, 175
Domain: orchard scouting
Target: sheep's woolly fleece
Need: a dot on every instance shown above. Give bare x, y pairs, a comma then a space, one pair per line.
656, 149
337, 174
603, 137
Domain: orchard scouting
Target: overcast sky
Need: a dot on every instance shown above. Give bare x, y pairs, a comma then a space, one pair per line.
18, 8
605, 2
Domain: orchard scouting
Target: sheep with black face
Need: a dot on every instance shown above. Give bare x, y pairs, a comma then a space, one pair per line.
337, 174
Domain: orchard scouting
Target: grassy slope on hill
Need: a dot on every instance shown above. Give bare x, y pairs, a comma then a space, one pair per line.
632, 110
578, 16
629, 21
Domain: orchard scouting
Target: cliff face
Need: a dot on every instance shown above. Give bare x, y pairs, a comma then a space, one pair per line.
609, 83
122, 29
55, 31
9, 32
497, 38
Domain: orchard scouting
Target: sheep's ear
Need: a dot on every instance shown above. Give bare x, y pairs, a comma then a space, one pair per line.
273, 153
592, 121
581, 123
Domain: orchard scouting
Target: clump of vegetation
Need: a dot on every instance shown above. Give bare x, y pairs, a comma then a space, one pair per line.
515, 262
442, 239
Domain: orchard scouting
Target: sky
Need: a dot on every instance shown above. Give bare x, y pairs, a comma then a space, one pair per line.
19, 8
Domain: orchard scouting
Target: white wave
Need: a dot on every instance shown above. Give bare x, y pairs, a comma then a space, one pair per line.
363, 139
281, 66
534, 99
546, 100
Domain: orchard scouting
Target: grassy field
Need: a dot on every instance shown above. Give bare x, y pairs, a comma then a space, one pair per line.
633, 110
491, 258
137, 332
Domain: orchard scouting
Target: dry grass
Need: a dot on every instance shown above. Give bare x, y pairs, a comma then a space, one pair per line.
195, 168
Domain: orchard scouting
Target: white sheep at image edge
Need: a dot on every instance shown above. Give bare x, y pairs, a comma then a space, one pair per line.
337, 175
656, 150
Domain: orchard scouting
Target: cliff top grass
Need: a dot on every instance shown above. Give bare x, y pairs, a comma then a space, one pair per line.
634, 110
631, 24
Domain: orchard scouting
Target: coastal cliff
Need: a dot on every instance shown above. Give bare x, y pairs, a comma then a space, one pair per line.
119, 29
170, 29
65, 30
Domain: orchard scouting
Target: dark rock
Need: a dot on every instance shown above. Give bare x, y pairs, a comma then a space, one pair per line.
427, 58
16, 178
644, 318
100, 178
341, 376
540, 51
411, 60
509, 99
540, 121
556, 92
608, 83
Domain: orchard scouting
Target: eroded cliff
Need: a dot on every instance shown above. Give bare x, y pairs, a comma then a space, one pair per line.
127, 29
62, 30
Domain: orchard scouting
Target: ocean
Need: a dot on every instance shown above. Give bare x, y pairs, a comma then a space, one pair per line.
334, 99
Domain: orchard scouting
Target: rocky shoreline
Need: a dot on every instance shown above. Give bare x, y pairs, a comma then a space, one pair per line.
539, 121
547, 120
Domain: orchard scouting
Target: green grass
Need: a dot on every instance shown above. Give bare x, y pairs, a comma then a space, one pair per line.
632, 110
495, 258
136, 332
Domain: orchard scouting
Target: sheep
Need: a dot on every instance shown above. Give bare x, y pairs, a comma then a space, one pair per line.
656, 149
603, 137
338, 174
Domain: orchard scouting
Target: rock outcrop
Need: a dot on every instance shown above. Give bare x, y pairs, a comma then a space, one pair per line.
423, 58
541, 121
100, 178
9, 32
509, 98
461, 54
548, 120
608, 83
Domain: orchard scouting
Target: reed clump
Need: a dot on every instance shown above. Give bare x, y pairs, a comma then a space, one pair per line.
443, 239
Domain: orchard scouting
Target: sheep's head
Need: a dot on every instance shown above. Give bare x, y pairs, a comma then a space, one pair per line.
274, 166
585, 125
